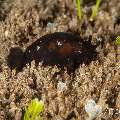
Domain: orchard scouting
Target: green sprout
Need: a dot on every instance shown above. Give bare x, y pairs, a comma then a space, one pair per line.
118, 40
32, 112
79, 9
95, 10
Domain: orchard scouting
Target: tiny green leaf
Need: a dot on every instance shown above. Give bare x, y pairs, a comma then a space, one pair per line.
32, 112
118, 40
95, 10
79, 9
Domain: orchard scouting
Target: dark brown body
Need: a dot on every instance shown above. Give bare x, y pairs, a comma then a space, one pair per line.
65, 50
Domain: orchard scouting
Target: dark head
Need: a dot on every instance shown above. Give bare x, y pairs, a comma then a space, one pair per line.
90, 53
15, 59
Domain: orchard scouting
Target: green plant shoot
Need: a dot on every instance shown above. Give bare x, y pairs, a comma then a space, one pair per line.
79, 9
32, 112
95, 10
118, 40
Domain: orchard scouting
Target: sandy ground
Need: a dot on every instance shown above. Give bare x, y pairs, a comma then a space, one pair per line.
22, 22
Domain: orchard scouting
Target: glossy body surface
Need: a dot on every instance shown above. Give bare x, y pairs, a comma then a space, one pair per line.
60, 49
